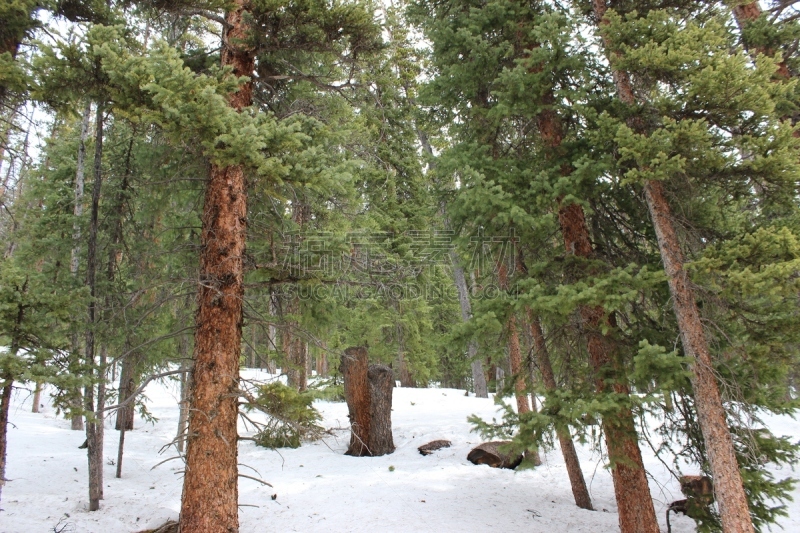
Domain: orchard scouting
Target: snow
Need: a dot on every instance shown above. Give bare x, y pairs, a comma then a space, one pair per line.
317, 487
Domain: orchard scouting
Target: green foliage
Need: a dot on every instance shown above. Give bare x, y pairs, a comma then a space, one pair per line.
292, 418
326, 390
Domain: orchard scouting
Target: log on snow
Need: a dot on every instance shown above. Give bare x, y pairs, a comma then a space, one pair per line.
489, 453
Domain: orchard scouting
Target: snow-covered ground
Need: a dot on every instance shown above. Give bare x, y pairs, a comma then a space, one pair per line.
317, 487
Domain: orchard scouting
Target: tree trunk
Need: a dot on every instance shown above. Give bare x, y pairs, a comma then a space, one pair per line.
80, 172
500, 379
210, 486
631, 490
252, 347
94, 433
37, 397
478, 375
354, 368
99, 414
746, 14
514, 352
381, 383
296, 355
183, 417
636, 512
127, 386
405, 376
728, 487
272, 336
576, 480
120, 450
322, 362
5, 408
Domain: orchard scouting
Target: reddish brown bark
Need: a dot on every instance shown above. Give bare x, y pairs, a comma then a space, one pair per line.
744, 15
579, 490
354, 368
381, 383
322, 363
636, 512
296, 355
728, 486
514, 352
210, 488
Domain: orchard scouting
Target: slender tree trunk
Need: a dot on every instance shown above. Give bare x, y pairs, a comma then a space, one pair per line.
127, 382
37, 397
7, 385
210, 489
514, 352
5, 408
632, 492
728, 487
120, 450
100, 414
322, 362
405, 376
80, 173
635, 507
183, 417
478, 375
252, 348
272, 335
576, 479
127, 386
500, 379
294, 347
94, 433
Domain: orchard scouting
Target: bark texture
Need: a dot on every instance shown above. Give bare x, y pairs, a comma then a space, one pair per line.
478, 375
76, 415
744, 15
381, 383
127, 385
94, 421
368, 392
728, 487
489, 453
514, 351
634, 505
579, 490
37, 397
636, 513
5, 407
322, 362
354, 368
210, 488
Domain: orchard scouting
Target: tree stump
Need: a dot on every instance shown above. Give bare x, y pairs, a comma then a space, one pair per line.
368, 393
489, 453
381, 382
354, 367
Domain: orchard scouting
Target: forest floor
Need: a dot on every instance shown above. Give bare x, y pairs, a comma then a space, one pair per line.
318, 488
